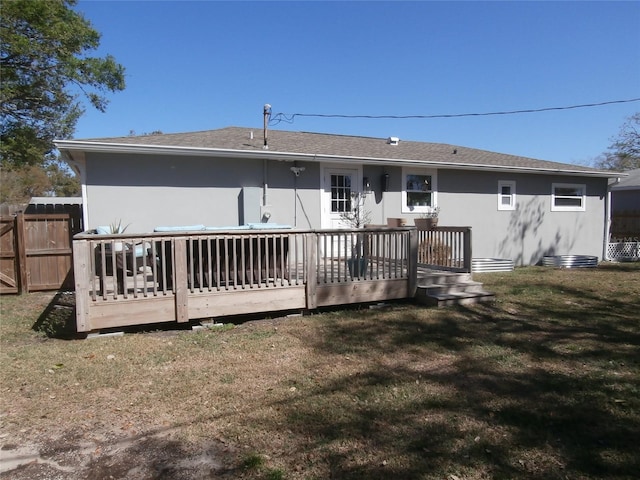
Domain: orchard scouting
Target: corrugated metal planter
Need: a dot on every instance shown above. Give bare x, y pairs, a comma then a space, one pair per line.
570, 261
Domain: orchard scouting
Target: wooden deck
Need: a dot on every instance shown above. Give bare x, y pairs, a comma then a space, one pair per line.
139, 279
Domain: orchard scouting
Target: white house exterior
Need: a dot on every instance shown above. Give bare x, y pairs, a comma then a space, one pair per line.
519, 208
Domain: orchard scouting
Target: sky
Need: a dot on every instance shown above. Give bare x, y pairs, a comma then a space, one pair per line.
201, 65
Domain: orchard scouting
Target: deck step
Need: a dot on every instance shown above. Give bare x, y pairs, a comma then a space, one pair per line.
445, 288
442, 277
459, 298
449, 288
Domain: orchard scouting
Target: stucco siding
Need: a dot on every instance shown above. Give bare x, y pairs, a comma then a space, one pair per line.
145, 192
530, 231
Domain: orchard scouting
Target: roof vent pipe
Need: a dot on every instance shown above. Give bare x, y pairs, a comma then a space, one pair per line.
266, 114
393, 140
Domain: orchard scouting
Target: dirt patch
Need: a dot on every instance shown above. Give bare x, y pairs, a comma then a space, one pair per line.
106, 456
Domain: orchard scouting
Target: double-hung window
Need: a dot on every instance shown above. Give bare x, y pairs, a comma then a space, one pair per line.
506, 195
419, 189
568, 197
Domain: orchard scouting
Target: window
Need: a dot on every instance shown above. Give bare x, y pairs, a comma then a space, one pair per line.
506, 195
419, 191
340, 193
568, 197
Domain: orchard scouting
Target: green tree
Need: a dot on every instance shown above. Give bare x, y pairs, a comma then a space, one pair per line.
624, 152
47, 76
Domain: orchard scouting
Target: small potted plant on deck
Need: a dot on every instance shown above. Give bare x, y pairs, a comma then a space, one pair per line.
357, 217
428, 220
116, 228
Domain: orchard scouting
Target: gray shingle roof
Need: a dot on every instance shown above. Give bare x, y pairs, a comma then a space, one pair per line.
632, 182
237, 138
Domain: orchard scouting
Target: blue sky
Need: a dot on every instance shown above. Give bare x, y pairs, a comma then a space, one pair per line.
199, 65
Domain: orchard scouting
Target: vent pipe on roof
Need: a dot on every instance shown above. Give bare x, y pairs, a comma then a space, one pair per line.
266, 113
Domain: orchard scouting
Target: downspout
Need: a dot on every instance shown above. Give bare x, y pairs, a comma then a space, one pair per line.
295, 201
266, 112
607, 220
265, 184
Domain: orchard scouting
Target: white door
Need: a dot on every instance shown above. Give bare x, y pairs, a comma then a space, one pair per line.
338, 185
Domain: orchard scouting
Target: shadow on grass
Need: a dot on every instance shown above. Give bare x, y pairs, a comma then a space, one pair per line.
58, 319
541, 389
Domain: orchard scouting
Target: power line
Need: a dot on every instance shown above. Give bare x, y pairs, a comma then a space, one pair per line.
290, 117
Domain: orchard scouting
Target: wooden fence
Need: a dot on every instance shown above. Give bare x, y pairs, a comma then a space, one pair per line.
36, 251
625, 225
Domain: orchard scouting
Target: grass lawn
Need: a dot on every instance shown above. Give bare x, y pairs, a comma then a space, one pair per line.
544, 383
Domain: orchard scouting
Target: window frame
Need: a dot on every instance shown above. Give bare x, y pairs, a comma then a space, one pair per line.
568, 208
433, 191
512, 195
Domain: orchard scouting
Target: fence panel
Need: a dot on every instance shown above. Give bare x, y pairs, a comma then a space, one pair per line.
36, 252
9, 278
625, 224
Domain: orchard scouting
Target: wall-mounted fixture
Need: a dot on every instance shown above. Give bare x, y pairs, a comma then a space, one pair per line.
384, 182
366, 185
297, 170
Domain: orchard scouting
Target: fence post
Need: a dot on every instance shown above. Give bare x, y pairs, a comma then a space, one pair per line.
21, 251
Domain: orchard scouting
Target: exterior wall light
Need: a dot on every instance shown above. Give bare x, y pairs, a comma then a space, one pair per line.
366, 185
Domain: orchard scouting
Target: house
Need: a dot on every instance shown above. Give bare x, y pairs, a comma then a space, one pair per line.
625, 206
519, 208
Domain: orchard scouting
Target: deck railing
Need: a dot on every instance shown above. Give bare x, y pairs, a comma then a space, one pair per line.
136, 279
445, 248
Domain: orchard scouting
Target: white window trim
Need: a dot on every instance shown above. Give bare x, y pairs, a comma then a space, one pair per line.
561, 208
434, 189
512, 185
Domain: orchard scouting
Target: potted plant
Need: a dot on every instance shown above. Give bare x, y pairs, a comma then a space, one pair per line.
357, 217
428, 220
116, 228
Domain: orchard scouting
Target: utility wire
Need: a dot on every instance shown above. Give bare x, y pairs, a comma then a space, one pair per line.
290, 117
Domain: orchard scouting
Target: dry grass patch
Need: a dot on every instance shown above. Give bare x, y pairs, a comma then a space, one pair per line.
544, 383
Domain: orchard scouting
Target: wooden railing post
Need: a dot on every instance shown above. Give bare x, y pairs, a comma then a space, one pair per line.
310, 260
180, 273
413, 262
21, 251
81, 271
467, 250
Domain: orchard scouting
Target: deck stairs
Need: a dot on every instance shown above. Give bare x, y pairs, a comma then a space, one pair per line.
442, 288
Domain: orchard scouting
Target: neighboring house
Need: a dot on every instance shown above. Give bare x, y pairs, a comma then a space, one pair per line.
519, 208
625, 205
625, 193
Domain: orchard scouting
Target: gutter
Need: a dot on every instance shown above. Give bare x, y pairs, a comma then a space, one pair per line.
89, 146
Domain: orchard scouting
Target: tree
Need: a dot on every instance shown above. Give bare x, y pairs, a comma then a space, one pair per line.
624, 152
46, 75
